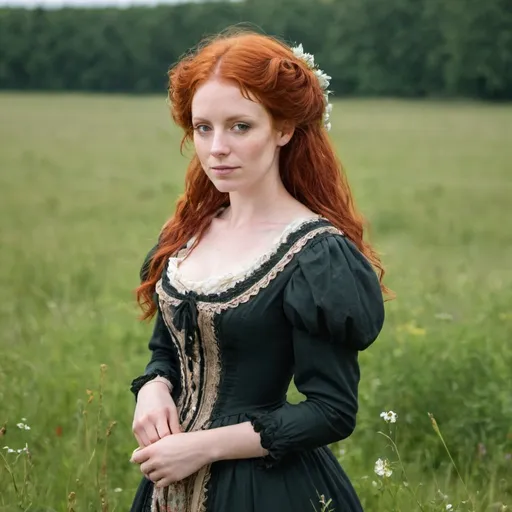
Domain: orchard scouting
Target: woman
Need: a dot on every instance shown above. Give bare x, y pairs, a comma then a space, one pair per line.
261, 274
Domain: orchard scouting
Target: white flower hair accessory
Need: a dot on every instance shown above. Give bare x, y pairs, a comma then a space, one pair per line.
322, 77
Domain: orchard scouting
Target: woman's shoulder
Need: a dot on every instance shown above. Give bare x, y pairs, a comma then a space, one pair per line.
334, 290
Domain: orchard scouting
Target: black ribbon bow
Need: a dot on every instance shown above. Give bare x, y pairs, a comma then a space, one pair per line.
185, 319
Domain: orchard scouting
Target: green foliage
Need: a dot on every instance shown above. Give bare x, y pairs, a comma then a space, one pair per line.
398, 47
86, 182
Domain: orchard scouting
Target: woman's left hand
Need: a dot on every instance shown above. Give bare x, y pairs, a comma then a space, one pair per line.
173, 458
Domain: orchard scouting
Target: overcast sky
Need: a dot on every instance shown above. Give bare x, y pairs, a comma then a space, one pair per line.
81, 3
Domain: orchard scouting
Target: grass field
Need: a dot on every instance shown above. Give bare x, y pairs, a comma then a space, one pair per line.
86, 183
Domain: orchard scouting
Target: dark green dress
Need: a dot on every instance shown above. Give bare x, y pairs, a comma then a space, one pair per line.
305, 310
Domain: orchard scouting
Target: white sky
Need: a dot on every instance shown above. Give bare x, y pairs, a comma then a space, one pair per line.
82, 3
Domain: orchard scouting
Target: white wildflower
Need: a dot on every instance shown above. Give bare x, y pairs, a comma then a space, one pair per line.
323, 78
22, 426
298, 51
449, 506
309, 59
389, 416
23, 450
20, 450
118, 489
383, 468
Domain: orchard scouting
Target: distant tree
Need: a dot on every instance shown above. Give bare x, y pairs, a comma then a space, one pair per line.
370, 47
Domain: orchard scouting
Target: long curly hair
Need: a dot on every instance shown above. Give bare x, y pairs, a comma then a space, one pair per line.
267, 69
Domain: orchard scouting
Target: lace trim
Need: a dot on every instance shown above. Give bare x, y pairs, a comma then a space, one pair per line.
220, 284
218, 307
266, 426
200, 490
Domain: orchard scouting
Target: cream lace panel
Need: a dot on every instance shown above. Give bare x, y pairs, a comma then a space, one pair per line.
219, 284
195, 407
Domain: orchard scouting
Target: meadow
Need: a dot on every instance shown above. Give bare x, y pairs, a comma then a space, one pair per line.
86, 182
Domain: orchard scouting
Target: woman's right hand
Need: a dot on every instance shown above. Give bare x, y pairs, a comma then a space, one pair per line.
155, 414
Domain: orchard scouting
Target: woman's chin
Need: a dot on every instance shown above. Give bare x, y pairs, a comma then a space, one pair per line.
225, 186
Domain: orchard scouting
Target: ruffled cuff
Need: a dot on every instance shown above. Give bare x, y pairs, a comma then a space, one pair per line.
137, 383
266, 426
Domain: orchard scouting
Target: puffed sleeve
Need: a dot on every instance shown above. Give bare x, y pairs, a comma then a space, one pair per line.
164, 359
335, 307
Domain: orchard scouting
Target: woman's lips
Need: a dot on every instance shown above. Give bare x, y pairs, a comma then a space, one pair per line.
223, 170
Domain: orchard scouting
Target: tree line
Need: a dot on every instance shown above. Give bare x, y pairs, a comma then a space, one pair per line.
406, 48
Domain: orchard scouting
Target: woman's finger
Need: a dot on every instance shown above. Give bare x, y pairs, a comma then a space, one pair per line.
140, 434
174, 422
140, 440
148, 468
162, 427
159, 480
151, 433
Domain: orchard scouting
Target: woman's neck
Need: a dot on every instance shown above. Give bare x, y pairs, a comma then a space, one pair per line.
264, 204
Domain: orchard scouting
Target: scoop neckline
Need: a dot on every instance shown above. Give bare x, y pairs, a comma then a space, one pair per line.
224, 282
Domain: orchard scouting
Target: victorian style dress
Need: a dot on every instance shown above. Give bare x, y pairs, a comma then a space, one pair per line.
230, 347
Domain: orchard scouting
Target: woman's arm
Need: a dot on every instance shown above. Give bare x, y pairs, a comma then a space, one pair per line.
232, 442
175, 457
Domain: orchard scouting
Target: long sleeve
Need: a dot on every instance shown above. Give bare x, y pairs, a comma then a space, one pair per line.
164, 359
335, 307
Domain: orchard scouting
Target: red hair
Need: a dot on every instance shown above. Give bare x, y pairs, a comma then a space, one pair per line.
266, 69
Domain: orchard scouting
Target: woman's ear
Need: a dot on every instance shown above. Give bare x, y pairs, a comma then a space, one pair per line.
285, 132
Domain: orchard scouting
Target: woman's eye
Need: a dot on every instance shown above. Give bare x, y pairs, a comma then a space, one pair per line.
241, 127
201, 128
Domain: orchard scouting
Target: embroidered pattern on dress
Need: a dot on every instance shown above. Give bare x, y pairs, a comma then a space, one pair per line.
200, 376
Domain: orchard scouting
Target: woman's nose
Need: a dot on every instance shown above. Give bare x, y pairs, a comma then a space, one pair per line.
219, 145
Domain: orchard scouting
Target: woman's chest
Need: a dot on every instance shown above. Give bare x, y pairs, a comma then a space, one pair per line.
220, 256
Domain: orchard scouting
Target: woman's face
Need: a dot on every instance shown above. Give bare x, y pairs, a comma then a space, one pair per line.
234, 137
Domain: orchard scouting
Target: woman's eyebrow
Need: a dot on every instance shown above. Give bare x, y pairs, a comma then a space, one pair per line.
230, 118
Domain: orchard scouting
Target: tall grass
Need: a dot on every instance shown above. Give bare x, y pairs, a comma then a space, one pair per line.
86, 183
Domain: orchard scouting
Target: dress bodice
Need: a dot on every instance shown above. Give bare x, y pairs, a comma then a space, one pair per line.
231, 345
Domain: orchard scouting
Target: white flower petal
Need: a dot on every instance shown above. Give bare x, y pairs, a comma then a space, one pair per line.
383, 468
389, 417
309, 60
298, 51
323, 79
